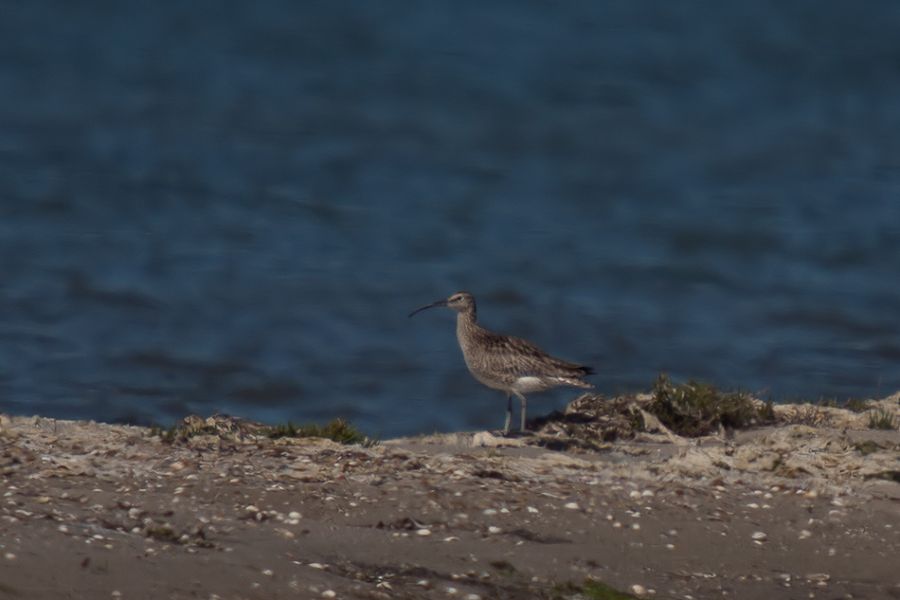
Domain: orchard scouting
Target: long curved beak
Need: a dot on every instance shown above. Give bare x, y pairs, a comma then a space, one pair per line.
432, 305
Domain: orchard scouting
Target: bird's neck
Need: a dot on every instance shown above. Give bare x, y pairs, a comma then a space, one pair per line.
465, 323
466, 316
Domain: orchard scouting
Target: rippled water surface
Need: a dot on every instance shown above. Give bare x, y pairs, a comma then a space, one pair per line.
232, 206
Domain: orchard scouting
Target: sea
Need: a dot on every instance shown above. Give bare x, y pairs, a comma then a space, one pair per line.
231, 207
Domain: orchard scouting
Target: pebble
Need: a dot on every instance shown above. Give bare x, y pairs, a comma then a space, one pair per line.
268, 572
532, 509
638, 590
9, 556
573, 506
319, 566
451, 591
423, 532
805, 534
759, 536
473, 597
329, 594
494, 529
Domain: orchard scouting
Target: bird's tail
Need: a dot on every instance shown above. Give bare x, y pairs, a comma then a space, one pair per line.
575, 378
572, 381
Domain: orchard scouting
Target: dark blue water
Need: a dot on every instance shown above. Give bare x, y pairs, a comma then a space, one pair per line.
232, 206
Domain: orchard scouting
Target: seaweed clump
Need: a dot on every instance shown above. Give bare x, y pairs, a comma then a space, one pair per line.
693, 409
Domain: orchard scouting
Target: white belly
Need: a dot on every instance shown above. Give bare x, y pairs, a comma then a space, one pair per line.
526, 385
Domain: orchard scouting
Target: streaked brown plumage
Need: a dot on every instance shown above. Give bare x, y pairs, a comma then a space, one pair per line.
507, 363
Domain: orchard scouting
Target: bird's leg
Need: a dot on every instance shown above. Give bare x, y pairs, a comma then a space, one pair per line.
523, 401
508, 413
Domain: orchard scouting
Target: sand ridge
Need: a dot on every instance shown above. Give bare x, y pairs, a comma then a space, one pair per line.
806, 508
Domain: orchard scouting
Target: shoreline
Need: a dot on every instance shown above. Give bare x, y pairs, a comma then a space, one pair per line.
807, 507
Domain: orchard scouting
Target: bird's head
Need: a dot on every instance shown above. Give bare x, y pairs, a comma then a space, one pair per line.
460, 302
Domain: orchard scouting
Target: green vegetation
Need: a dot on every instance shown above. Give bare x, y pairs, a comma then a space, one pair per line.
337, 430
694, 409
232, 428
882, 419
590, 590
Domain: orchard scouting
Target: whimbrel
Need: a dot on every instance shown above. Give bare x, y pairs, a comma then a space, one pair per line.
507, 363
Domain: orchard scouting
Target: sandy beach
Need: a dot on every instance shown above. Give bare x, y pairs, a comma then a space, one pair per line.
807, 507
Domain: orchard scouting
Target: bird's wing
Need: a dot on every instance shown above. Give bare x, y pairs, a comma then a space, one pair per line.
520, 357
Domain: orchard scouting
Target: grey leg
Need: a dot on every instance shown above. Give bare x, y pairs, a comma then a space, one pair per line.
508, 414
523, 401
